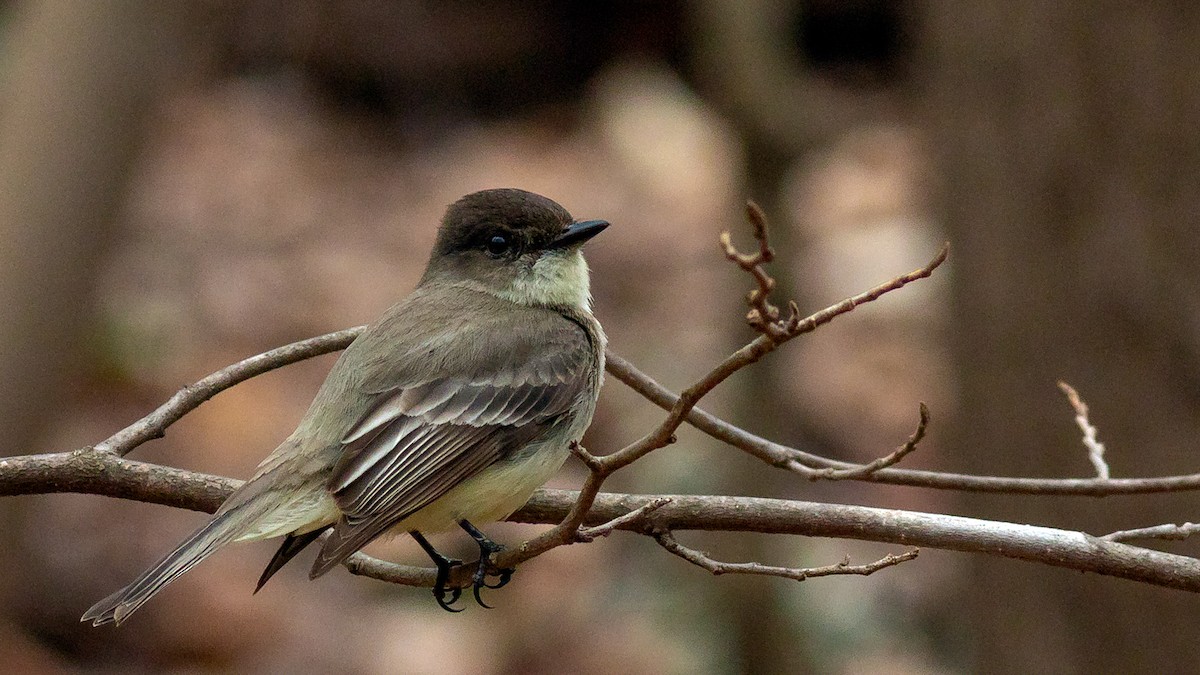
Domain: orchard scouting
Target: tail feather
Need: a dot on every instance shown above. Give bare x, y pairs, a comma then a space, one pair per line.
345, 539
292, 544
202, 543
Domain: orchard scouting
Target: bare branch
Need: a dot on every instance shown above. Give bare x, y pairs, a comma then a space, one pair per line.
803, 463
1059, 548
189, 398
702, 560
86, 471
363, 565
1094, 447
754, 351
1168, 531
89, 472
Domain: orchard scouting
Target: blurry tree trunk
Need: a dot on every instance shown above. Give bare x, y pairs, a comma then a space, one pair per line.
79, 80
748, 65
1068, 141
744, 58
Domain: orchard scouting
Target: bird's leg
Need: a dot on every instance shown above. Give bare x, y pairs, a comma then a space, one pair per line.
487, 549
444, 565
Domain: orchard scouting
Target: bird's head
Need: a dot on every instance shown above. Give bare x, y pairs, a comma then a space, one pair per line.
516, 245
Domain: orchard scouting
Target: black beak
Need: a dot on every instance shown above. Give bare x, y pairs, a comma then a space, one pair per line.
577, 233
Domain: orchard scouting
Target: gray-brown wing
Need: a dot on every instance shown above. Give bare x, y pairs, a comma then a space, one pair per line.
421, 440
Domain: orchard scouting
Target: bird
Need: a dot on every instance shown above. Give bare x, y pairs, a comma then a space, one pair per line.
449, 410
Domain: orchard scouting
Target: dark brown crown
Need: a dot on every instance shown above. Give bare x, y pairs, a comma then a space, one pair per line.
530, 221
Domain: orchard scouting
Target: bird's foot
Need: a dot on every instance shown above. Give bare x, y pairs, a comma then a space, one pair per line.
487, 567
444, 565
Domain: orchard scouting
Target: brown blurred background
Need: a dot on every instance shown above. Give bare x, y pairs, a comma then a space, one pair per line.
183, 185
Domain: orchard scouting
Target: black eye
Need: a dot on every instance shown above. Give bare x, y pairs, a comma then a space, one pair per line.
498, 245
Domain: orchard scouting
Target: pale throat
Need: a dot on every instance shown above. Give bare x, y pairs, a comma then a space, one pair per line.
557, 278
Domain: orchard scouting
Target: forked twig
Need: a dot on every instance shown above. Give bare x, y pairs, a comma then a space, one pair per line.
763, 315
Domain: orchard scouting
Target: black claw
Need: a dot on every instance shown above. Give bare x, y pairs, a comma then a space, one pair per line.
504, 575
439, 594
479, 579
475, 591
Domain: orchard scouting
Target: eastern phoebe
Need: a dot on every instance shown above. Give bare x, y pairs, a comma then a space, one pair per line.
449, 410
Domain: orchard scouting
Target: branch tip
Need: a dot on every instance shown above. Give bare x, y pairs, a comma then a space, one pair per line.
1094, 447
1167, 531
936, 262
629, 520
891, 459
591, 461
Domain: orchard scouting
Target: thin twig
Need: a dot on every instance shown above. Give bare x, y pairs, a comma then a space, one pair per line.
1167, 531
587, 534
666, 540
828, 314
1094, 447
883, 462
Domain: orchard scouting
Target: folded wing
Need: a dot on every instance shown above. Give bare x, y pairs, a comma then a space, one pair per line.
422, 439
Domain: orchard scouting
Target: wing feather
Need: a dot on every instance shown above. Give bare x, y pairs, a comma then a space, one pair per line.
369, 449
452, 410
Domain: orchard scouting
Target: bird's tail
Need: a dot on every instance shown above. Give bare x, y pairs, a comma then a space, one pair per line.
221, 530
